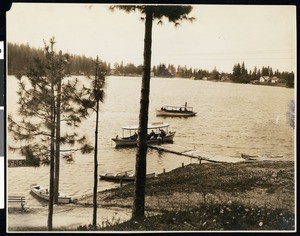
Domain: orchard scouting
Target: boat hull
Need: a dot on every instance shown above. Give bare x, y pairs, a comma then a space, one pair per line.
123, 177
125, 142
175, 113
44, 194
111, 177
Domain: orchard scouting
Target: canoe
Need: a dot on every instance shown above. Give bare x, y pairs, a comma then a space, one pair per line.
121, 176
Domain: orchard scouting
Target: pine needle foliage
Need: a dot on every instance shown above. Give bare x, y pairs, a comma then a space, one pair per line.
32, 125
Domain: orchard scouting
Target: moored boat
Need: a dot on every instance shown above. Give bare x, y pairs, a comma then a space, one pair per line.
44, 194
249, 157
159, 134
180, 111
124, 176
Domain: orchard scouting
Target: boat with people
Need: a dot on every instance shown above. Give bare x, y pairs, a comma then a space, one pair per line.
126, 176
180, 111
44, 194
159, 134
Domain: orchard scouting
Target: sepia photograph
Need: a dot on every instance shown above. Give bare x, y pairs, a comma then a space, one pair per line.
150, 118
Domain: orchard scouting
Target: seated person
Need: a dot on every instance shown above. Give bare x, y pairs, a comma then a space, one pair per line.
151, 135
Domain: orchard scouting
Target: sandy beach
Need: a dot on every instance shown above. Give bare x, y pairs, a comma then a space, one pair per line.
65, 217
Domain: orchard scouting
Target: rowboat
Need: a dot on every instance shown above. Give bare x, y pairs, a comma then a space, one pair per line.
44, 194
249, 157
159, 134
179, 111
124, 176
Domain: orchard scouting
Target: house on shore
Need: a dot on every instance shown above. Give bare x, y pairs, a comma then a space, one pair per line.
265, 79
269, 79
274, 80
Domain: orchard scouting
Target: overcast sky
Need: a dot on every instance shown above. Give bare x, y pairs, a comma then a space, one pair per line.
220, 37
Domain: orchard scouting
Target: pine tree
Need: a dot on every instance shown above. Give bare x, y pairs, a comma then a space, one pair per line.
93, 97
175, 14
43, 94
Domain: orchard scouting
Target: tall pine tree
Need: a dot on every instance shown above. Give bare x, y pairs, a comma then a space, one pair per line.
46, 100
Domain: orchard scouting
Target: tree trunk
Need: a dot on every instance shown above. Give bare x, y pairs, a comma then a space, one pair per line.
51, 191
140, 167
95, 206
57, 143
51, 184
95, 169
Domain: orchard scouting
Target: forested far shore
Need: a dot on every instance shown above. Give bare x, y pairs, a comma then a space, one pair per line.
22, 56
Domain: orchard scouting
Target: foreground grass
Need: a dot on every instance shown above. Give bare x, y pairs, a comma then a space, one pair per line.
240, 196
231, 216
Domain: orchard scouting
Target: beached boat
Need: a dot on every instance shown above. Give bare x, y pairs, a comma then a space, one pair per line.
276, 156
44, 194
159, 134
124, 176
250, 157
180, 111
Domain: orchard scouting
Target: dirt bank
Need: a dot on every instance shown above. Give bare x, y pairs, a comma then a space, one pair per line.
268, 185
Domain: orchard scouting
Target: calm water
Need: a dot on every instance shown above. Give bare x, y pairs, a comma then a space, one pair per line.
231, 119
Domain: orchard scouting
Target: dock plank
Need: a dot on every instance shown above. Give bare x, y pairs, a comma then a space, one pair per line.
194, 153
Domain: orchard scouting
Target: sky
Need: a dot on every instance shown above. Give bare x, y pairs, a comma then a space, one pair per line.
219, 37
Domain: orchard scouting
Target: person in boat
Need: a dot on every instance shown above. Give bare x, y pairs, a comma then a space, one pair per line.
159, 139
134, 137
151, 135
162, 133
185, 106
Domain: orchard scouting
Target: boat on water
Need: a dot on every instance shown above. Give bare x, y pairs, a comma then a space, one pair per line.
126, 176
44, 194
179, 111
159, 134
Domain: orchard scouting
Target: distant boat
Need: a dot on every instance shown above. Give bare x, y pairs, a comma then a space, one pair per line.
44, 194
124, 176
276, 156
159, 133
179, 111
249, 157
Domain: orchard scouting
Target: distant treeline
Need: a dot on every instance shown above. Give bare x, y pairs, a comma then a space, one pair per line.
21, 56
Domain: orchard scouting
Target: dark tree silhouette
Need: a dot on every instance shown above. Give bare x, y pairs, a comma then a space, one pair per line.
174, 14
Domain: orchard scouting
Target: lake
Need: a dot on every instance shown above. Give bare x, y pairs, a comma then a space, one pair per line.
231, 119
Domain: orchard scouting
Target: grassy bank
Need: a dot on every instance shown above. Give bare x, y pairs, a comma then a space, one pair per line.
240, 196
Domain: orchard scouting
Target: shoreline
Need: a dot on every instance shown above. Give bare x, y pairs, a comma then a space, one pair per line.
256, 184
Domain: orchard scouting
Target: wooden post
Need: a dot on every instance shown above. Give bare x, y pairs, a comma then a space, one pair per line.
200, 160
182, 164
121, 183
164, 171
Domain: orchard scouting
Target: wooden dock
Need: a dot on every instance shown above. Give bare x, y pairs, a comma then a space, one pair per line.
194, 153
